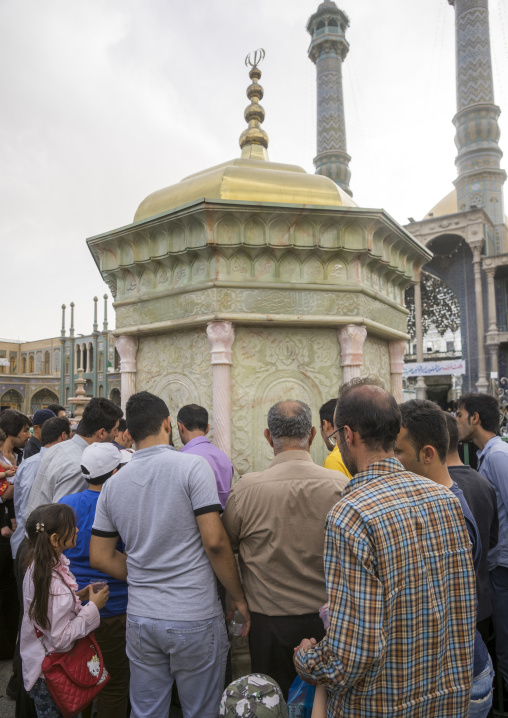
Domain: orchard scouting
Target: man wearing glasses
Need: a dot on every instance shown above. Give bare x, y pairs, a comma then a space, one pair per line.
400, 579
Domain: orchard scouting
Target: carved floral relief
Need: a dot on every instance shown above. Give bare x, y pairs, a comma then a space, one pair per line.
272, 364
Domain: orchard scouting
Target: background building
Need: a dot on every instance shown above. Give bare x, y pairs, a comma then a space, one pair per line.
466, 230
35, 374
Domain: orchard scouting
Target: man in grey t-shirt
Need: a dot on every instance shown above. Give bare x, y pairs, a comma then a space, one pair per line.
165, 507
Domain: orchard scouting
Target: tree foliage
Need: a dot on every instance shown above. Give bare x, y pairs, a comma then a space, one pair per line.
440, 307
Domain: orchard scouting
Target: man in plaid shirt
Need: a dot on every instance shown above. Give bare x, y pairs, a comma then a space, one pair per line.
400, 580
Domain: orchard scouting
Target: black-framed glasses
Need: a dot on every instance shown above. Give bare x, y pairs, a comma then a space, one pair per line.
329, 437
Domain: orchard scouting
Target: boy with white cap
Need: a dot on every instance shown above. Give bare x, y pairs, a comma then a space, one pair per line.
98, 463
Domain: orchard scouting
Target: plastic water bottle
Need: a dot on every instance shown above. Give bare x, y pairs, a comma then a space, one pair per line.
236, 624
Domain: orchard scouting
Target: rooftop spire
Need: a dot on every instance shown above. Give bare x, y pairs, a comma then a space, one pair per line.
254, 140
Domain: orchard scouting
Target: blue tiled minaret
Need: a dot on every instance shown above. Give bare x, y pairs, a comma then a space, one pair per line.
480, 177
327, 50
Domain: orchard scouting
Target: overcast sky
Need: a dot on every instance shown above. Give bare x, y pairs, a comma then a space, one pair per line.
104, 102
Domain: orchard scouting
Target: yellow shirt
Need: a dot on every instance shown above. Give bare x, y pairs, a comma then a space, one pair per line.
334, 461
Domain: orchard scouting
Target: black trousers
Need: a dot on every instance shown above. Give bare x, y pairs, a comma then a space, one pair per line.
272, 640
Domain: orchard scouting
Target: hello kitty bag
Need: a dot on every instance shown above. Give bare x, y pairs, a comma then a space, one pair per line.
74, 678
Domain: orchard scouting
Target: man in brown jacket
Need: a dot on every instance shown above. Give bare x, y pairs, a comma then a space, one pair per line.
275, 520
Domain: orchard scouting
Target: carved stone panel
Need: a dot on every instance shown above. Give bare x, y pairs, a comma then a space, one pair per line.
272, 364
376, 360
177, 368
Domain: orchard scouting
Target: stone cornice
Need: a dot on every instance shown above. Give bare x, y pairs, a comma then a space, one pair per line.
374, 328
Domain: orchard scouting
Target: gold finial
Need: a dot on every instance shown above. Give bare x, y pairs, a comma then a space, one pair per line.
254, 140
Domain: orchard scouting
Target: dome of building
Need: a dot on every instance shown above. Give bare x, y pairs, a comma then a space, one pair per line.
251, 178
447, 205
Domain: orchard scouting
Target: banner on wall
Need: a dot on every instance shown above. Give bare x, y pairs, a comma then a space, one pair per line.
435, 368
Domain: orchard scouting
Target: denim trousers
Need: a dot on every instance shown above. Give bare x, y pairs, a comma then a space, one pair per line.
44, 703
192, 653
481, 693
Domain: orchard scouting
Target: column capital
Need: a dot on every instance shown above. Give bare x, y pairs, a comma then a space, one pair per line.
489, 270
221, 336
127, 347
476, 246
351, 339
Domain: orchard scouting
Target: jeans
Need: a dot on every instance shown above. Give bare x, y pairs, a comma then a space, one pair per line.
499, 597
44, 703
481, 693
192, 653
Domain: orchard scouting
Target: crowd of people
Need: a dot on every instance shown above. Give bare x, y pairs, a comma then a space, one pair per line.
373, 577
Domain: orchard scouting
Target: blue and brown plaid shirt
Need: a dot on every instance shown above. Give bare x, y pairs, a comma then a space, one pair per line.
401, 591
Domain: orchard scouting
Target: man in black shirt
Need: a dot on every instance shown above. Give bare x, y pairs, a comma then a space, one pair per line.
34, 444
481, 499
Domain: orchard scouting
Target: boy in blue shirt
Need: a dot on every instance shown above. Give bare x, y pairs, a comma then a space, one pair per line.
99, 462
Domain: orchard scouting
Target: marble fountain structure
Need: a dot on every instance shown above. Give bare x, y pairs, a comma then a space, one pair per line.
254, 281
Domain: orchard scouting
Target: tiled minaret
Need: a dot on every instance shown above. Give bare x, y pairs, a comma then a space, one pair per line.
328, 50
480, 179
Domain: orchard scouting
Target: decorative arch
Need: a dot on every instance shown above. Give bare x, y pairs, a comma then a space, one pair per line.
11, 399
42, 398
23, 364
31, 364
47, 363
115, 396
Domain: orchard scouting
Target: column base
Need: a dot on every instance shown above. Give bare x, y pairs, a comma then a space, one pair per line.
482, 385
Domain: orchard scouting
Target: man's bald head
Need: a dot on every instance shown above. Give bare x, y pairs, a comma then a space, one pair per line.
290, 424
367, 408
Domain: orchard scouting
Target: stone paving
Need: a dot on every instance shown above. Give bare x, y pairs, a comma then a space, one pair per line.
6, 705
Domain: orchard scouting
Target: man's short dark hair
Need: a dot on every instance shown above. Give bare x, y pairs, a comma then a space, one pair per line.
13, 421
99, 413
55, 408
52, 429
453, 432
367, 408
487, 408
145, 413
193, 417
425, 423
327, 411
122, 426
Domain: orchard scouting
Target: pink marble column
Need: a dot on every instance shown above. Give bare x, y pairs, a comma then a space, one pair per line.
221, 336
397, 349
127, 347
351, 340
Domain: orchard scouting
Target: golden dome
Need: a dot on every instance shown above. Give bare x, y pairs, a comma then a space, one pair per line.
250, 178
448, 205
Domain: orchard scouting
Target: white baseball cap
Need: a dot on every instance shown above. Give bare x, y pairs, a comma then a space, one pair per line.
99, 459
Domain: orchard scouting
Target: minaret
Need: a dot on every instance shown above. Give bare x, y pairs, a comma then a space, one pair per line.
480, 179
328, 50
